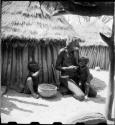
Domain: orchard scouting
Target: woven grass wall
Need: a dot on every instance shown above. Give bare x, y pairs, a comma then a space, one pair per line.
15, 60
98, 56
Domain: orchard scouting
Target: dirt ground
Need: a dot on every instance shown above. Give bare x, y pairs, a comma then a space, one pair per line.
22, 108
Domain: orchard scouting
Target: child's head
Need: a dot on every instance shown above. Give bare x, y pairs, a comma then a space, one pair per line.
83, 61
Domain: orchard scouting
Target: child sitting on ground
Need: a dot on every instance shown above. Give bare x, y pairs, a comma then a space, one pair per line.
85, 77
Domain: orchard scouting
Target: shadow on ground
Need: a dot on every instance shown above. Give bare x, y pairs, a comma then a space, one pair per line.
8, 104
58, 97
98, 99
98, 84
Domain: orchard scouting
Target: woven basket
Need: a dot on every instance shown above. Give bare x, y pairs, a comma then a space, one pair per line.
47, 90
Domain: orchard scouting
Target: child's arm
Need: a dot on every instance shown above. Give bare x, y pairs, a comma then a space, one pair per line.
35, 74
90, 76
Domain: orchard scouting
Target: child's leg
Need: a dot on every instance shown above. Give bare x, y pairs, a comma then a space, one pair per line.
30, 86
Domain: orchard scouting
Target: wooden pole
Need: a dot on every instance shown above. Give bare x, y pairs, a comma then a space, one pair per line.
18, 69
9, 67
14, 68
40, 62
25, 64
110, 97
49, 63
0, 76
2, 63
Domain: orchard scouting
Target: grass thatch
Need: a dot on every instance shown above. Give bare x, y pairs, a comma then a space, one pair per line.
22, 21
89, 28
29, 23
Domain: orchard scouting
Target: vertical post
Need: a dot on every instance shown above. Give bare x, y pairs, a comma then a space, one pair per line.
110, 98
0, 77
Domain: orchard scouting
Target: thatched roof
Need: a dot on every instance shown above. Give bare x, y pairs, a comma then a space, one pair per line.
89, 28
27, 22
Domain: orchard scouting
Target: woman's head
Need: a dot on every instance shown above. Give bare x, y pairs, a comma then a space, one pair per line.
72, 44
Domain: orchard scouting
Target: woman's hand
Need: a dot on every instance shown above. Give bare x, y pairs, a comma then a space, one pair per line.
70, 68
73, 67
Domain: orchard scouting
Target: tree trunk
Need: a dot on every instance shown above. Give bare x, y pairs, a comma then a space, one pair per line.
110, 98
0, 75
111, 84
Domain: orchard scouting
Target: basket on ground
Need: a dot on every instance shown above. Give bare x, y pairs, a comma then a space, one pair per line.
47, 90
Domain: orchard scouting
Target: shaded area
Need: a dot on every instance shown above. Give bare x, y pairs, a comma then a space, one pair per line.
98, 84
58, 97
98, 99
7, 106
12, 92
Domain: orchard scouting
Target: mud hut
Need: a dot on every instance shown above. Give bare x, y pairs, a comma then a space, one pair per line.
28, 31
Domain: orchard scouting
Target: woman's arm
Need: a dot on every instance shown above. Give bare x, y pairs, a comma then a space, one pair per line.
59, 61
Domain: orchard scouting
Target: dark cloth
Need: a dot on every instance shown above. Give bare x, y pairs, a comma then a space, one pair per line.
32, 67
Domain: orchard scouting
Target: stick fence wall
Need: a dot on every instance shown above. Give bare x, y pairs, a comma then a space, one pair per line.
15, 61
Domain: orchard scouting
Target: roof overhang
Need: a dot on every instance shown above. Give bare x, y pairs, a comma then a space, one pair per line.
86, 8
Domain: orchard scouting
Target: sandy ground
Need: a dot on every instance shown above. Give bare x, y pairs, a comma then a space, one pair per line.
22, 108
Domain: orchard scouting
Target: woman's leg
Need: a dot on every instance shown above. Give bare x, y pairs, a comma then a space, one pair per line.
78, 93
30, 86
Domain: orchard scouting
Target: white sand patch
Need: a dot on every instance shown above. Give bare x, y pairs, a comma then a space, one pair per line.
22, 108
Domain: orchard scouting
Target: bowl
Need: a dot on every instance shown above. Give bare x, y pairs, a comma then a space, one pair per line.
97, 68
47, 90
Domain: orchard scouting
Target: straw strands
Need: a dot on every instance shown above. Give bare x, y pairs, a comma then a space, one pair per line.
98, 56
28, 22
